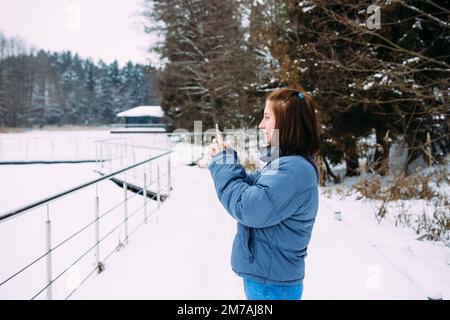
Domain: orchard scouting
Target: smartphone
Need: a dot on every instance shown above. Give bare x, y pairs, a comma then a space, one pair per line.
219, 137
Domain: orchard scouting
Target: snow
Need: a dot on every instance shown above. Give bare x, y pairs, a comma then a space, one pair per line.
439, 96
143, 111
22, 184
368, 85
302, 70
185, 255
385, 80
411, 60
308, 8
402, 261
184, 250
417, 24
350, 259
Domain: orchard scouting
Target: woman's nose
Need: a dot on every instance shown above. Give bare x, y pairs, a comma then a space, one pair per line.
261, 124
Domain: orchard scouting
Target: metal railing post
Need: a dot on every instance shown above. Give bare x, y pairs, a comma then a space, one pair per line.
134, 161
204, 145
168, 175
97, 230
52, 146
150, 170
192, 151
158, 196
125, 211
110, 158
144, 193
48, 242
121, 158
247, 149
96, 155
101, 155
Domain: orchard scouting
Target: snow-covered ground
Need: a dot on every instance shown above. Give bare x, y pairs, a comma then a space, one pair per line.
186, 255
371, 261
184, 250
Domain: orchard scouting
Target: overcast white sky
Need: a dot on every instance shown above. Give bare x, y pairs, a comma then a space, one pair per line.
100, 29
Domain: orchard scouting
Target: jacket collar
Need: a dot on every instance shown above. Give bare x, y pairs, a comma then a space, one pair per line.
268, 154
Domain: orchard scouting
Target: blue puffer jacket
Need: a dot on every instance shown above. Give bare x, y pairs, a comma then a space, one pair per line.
275, 208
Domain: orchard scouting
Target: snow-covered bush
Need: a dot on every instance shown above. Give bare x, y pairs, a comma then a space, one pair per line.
402, 196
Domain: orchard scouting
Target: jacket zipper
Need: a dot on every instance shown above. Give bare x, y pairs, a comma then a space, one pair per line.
249, 244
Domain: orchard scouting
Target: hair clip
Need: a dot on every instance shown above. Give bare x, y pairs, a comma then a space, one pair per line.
301, 96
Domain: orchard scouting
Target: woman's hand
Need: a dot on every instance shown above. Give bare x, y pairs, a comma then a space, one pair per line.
214, 148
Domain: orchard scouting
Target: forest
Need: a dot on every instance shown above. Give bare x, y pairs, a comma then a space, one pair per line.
39, 88
376, 84
380, 76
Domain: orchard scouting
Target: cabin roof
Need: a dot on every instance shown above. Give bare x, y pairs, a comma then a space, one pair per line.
143, 111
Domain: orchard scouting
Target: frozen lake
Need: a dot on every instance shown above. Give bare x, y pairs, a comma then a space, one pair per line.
22, 184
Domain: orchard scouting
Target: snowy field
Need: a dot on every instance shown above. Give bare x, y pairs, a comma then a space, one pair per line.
184, 250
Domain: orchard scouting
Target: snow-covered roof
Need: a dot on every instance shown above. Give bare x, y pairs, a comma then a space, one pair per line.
143, 111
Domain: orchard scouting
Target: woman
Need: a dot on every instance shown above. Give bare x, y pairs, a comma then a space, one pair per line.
275, 207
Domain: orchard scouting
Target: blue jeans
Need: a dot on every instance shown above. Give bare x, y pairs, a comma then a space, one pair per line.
259, 291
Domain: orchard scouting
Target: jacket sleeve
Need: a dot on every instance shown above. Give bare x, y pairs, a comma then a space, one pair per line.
251, 177
270, 200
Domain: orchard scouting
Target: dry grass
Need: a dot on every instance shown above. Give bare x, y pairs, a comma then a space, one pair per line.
11, 130
400, 188
434, 227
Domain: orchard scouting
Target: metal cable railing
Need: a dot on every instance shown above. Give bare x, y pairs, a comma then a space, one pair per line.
114, 249
122, 150
74, 235
50, 199
89, 250
110, 254
128, 216
47, 148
